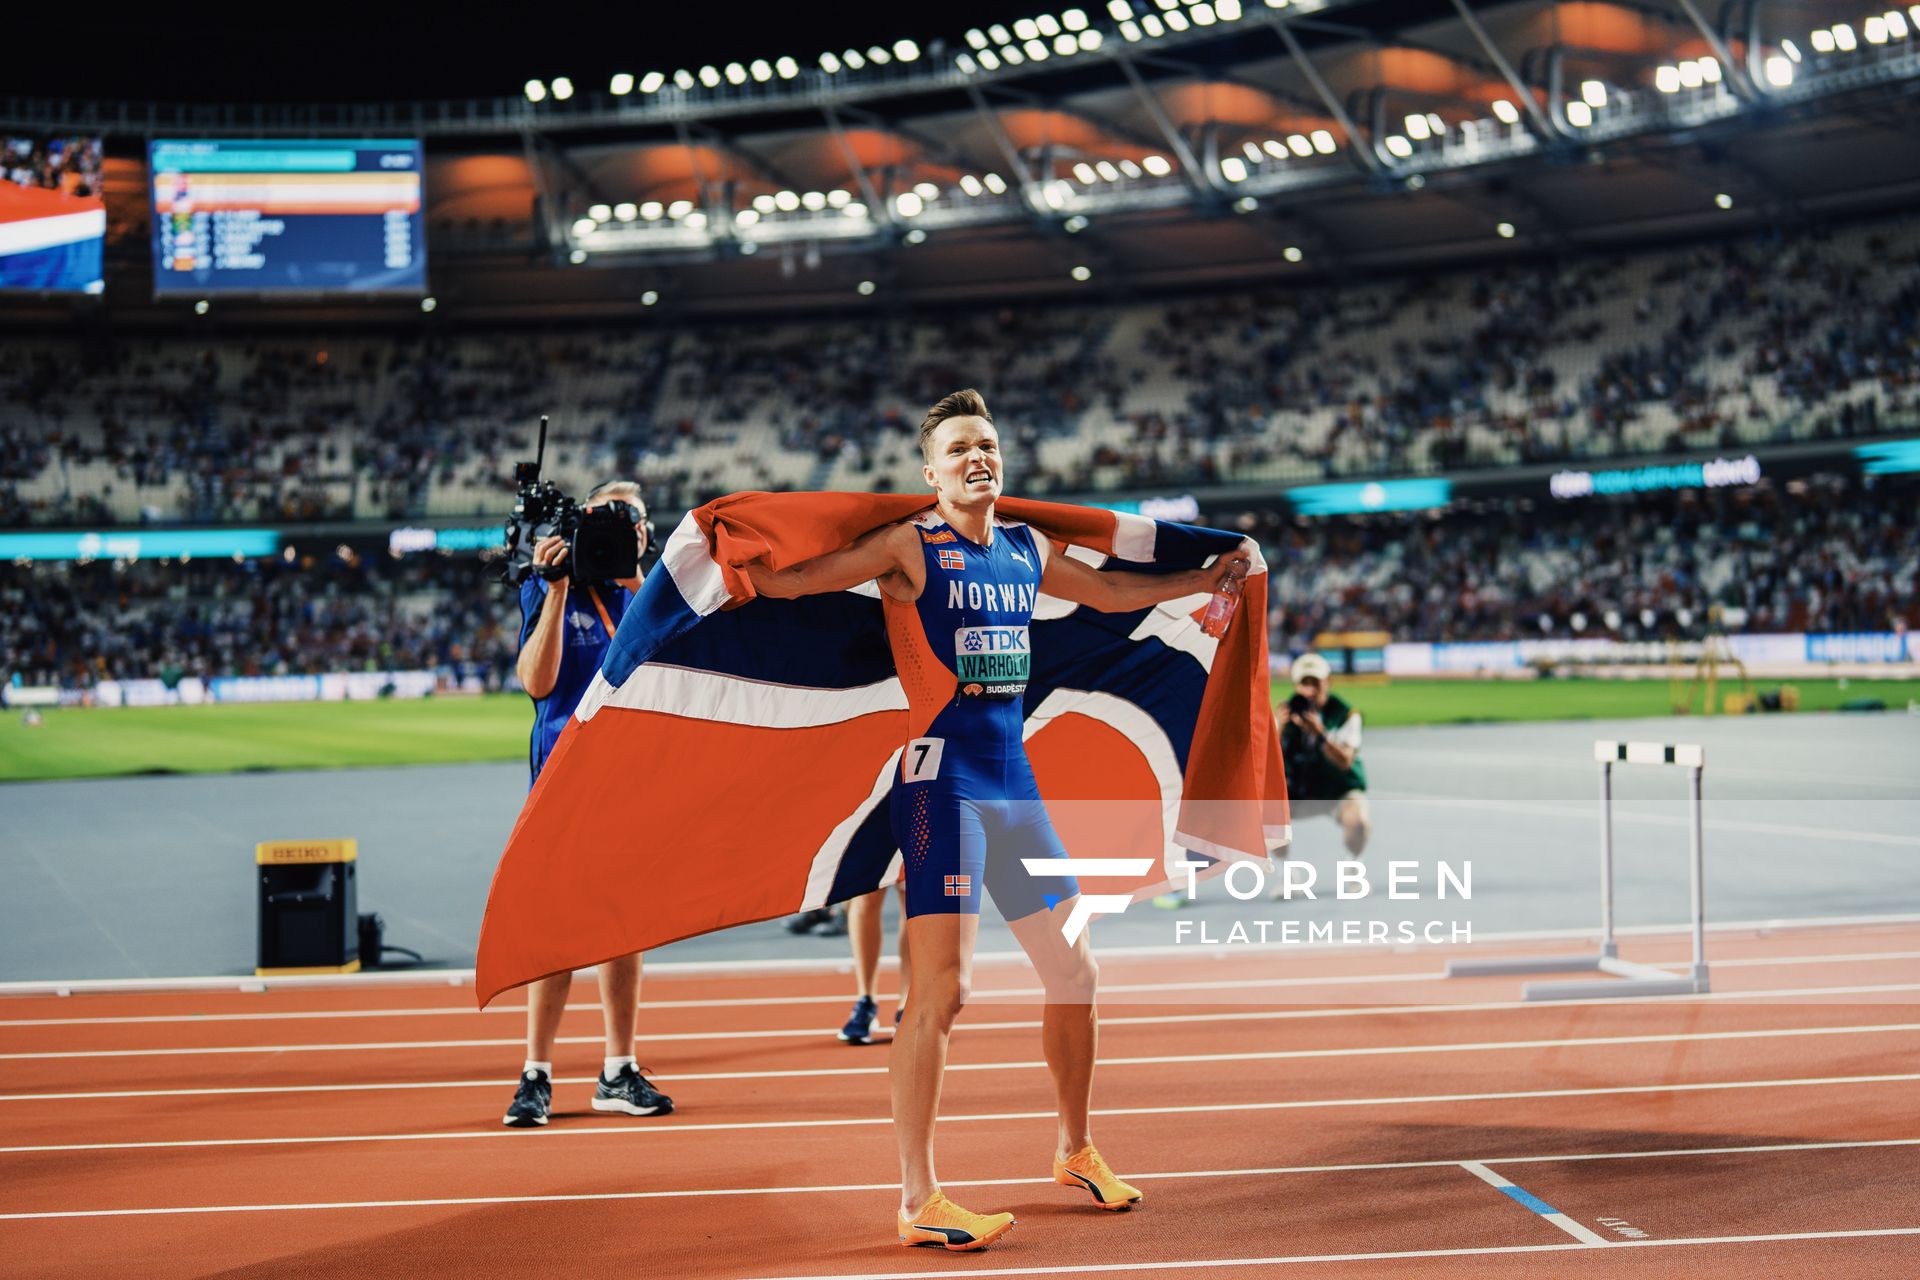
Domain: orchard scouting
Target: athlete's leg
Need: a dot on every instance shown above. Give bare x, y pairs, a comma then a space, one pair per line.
1356, 823
546, 1001
863, 931
942, 947
620, 1003
906, 954
1070, 1025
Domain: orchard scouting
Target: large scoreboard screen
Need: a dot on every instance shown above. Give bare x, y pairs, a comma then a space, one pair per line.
287, 217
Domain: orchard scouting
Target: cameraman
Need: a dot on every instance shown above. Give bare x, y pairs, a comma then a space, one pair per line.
1321, 744
566, 628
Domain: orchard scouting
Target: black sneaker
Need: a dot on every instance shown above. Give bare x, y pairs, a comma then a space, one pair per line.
630, 1092
834, 926
531, 1101
808, 921
859, 1028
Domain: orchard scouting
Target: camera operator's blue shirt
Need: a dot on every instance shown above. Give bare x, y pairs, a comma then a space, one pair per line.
584, 640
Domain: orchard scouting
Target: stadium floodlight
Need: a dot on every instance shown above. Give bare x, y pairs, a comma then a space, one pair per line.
785, 67
906, 50
764, 204
1299, 144
626, 211
1435, 123
1036, 52
1843, 40
429, 303
864, 288
878, 56
1504, 230
1822, 40
1896, 24
1792, 50
1119, 10
1082, 274
577, 257
1026, 29
585, 226
1106, 170
1065, 45
1129, 168
908, 204
813, 201
621, 85
1203, 14
1276, 4
1229, 10
679, 209
1275, 148
1234, 169
1292, 253
1399, 146
966, 64
838, 198
1505, 111
1667, 79
1130, 32
535, 91
1417, 128
651, 82
1690, 75
990, 60
1074, 19
1150, 23
852, 59
926, 191
1012, 56
1049, 26
829, 63
854, 210
653, 211
1085, 173
749, 247
1252, 152
1175, 20
1090, 40
976, 38
916, 236
1579, 114
201, 307
1710, 70
697, 220
710, 76
1723, 200
1158, 166
683, 80
999, 34
995, 183
1593, 93
1057, 193
1074, 225
970, 184
648, 298
786, 201
1875, 30
562, 88
1779, 72
1323, 142
761, 70
600, 212
1245, 204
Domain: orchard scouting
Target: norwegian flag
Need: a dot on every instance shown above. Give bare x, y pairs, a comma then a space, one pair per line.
959, 886
766, 735
952, 559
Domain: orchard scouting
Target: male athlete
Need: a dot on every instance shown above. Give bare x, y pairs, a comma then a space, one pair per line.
958, 587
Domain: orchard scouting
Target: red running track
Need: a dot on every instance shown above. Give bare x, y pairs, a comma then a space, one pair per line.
1340, 1109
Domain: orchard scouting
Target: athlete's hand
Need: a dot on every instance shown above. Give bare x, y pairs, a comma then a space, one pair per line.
1239, 560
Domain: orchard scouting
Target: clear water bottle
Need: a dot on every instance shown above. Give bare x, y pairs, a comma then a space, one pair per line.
1226, 600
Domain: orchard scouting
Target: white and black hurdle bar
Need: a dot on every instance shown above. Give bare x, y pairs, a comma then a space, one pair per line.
1635, 979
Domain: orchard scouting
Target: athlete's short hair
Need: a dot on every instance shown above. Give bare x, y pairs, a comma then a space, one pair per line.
961, 404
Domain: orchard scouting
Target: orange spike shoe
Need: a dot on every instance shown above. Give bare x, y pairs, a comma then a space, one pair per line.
1086, 1169
943, 1223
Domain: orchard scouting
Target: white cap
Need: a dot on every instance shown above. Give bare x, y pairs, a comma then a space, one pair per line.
1311, 665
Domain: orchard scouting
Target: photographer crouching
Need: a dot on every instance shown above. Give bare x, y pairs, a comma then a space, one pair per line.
1320, 742
580, 578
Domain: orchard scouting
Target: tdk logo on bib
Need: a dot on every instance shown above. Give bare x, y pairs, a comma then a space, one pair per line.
992, 662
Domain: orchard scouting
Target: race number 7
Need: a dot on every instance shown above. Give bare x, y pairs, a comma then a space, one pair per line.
921, 762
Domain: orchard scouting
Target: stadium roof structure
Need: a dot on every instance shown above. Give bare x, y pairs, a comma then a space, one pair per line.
1132, 145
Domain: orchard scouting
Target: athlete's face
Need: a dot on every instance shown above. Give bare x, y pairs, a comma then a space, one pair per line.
964, 463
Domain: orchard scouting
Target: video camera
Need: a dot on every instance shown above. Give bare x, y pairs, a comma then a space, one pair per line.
600, 542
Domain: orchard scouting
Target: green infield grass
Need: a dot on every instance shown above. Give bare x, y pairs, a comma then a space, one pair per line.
227, 738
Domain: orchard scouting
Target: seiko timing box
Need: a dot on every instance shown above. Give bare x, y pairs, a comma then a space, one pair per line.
308, 921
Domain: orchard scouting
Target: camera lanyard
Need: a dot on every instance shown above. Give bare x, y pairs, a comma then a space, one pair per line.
605, 620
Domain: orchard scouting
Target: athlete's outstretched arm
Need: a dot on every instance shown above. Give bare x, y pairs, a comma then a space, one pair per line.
1068, 579
883, 553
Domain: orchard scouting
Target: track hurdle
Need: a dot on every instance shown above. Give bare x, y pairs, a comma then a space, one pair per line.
1629, 978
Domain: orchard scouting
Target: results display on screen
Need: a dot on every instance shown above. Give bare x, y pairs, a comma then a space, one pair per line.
287, 216
53, 222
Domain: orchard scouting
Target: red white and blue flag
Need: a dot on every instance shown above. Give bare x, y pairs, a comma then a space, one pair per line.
50, 240
748, 746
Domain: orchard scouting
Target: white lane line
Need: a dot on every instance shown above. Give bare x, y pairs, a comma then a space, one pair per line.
1526, 1199
1139, 1020
693, 1193
1195, 1264
1004, 993
1653, 819
861, 1121
1276, 1055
